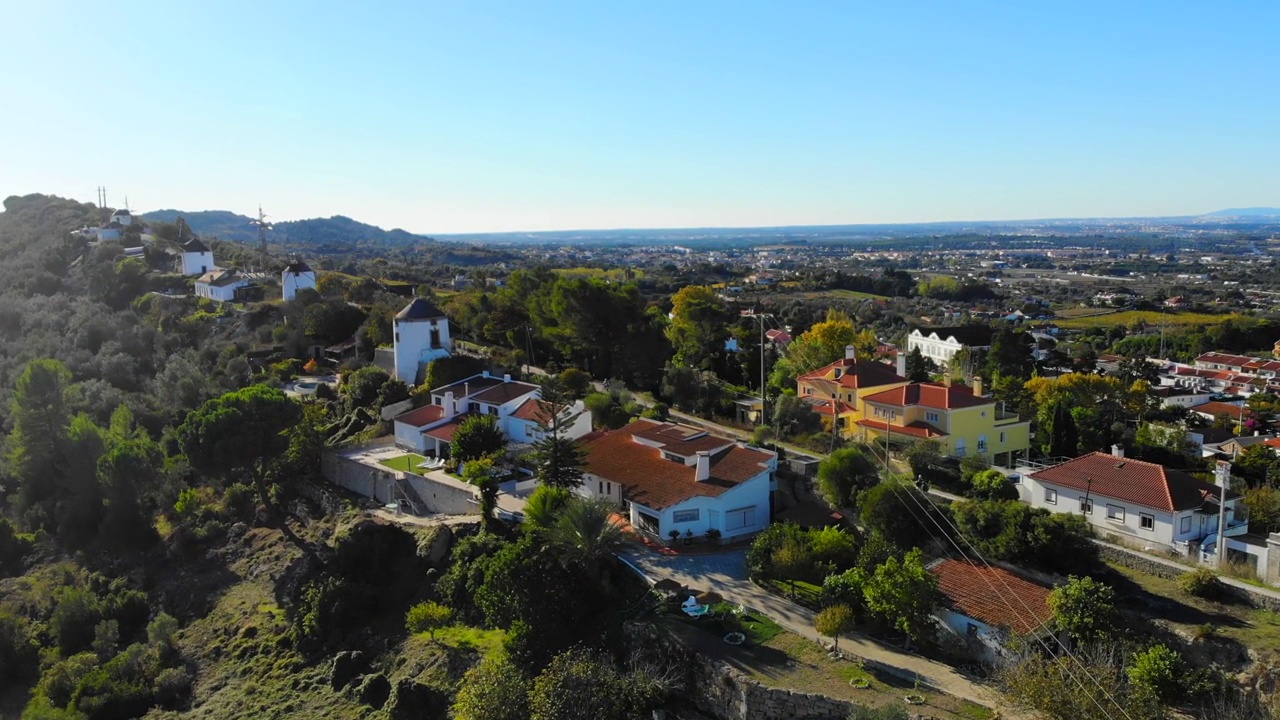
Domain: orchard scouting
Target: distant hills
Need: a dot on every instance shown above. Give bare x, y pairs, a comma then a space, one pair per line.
1262, 212
336, 230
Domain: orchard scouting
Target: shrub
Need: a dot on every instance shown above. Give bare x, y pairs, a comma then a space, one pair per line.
1156, 671
1202, 583
428, 617
14, 548
19, 652
991, 485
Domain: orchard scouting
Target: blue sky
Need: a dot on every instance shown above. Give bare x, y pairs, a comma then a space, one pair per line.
473, 116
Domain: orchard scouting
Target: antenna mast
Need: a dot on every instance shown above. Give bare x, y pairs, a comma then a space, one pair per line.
263, 227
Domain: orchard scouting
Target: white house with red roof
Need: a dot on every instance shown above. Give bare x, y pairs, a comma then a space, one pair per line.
515, 405
1140, 503
988, 606
666, 476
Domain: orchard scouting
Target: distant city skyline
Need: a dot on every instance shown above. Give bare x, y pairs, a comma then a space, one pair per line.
441, 118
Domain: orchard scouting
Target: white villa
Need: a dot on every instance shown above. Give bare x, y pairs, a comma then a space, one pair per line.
1141, 503
221, 285
942, 343
429, 429
667, 476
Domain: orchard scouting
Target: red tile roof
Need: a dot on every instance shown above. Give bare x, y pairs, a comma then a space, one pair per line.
915, 429
532, 411
1135, 481
650, 480
822, 406
445, 432
424, 415
504, 392
932, 395
1216, 408
993, 596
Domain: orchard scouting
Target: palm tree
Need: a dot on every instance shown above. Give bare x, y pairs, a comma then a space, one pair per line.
589, 527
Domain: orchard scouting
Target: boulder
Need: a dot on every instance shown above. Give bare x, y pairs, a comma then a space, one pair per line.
347, 665
412, 700
374, 690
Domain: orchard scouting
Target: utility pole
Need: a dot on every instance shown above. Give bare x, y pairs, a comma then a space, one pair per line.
1223, 471
761, 317
263, 227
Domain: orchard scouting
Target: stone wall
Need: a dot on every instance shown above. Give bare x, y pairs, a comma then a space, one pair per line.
1172, 570
386, 486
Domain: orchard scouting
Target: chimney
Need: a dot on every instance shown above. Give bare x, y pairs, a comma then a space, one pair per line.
1117, 450
484, 373
946, 379
506, 378
850, 353
1222, 474
448, 404
902, 363
977, 386
703, 472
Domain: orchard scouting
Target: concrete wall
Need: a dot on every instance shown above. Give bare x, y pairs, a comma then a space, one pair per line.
438, 496
358, 478
432, 495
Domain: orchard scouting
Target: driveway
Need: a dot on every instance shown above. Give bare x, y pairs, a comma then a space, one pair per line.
726, 573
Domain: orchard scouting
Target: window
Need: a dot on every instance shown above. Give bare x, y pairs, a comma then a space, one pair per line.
1115, 512
1051, 496
673, 457
960, 447
435, 338
684, 516
1186, 525
971, 630
1001, 437
600, 489
740, 518
1086, 505
397, 336
982, 443
931, 416
1146, 522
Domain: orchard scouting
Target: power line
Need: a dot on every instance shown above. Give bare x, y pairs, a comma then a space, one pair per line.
1025, 607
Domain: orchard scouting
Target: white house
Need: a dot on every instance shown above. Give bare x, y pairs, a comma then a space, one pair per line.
421, 335
297, 276
197, 259
942, 343
515, 405
219, 284
110, 231
667, 476
1139, 503
122, 216
987, 606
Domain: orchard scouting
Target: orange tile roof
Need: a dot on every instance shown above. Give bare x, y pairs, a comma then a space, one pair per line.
1216, 408
915, 429
857, 374
504, 392
650, 480
822, 406
993, 596
932, 395
1135, 481
424, 415
532, 411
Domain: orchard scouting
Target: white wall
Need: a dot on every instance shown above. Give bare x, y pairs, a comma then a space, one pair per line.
711, 510
413, 345
291, 283
1069, 502
225, 293
197, 263
939, 351
989, 640
409, 436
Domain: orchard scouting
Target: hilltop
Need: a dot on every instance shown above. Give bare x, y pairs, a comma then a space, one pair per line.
335, 230
1267, 212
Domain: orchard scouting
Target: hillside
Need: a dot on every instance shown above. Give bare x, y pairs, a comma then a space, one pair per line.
336, 230
1267, 212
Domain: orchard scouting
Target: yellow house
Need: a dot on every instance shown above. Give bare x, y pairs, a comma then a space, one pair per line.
957, 417
837, 390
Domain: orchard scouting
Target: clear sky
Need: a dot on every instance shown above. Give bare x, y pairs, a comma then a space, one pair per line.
485, 116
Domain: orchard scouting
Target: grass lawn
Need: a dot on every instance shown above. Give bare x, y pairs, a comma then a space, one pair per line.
1160, 599
785, 660
465, 637
404, 463
853, 295
1151, 317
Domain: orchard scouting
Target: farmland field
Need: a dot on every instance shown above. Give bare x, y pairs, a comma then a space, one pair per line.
1151, 317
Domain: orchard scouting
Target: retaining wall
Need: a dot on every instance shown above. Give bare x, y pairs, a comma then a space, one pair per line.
430, 495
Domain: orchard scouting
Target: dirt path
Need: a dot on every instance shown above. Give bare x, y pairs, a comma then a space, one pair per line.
726, 573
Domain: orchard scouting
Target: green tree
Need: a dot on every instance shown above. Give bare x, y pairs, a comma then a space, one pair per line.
428, 617
361, 387
589, 527
897, 512
922, 455
991, 485
575, 382
545, 504
1010, 354
760, 554
493, 690
559, 458
478, 436
331, 321
1083, 608
902, 594
41, 411
845, 475
586, 685
699, 326
919, 368
239, 434
1058, 428
833, 622
1257, 464
794, 416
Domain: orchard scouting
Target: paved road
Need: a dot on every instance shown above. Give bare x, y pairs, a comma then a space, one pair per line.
726, 573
